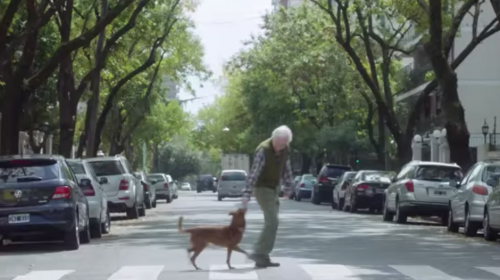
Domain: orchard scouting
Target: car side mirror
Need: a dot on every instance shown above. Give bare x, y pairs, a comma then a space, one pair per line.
85, 183
103, 180
454, 184
491, 182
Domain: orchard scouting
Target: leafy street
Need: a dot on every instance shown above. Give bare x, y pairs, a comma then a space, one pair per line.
392, 105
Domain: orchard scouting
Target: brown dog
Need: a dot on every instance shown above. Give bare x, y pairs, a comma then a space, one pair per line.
224, 236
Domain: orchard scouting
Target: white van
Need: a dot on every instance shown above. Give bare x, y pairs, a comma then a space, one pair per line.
231, 183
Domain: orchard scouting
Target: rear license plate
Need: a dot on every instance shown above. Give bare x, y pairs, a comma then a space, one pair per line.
380, 191
19, 218
439, 193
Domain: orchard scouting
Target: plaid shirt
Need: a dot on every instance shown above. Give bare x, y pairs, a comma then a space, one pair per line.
259, 161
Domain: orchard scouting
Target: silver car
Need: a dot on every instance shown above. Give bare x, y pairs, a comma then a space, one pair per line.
231, 183
466, 207
163, 185
422, 188
304, 187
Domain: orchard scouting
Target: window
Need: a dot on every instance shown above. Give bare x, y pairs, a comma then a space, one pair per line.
334, 171
378, 176
77, 167
15, 171
158, 178
308, 177
438, 173
233, 176
107, 168
67, 173
491, 171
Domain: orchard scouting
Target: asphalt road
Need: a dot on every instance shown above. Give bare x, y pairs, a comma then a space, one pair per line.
314, 243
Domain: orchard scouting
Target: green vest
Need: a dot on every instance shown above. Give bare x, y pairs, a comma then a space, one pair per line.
274, 166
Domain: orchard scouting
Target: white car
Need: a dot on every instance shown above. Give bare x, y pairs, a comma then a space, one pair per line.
123, 190
100, 220
231, 183
165, 186
186, 186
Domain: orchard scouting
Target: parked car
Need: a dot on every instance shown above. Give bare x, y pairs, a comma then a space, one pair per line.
340, 188
366, 190
467, 205
186, 186
491, 217
41, 199
422, 188
205, 183
327, 179
123, 190
163, 189
231, 183
291, 195
304, 187
175, 186
149, 189
100, 220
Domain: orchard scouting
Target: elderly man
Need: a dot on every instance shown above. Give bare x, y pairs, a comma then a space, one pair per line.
270, 165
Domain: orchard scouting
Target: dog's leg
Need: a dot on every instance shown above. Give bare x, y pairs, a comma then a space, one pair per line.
228, 260
197, 252
239, 250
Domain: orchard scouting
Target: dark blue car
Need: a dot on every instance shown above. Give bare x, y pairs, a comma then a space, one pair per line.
40, 199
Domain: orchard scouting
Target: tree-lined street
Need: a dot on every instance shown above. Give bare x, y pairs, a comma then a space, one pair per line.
313, 240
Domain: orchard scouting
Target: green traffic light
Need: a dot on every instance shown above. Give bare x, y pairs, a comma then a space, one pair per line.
357, 161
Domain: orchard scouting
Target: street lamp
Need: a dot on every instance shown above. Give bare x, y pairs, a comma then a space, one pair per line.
485, 128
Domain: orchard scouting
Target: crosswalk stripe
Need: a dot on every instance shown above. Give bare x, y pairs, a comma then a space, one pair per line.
241, 272
44, 275
146, 272
491, 269
329, 272
423, 272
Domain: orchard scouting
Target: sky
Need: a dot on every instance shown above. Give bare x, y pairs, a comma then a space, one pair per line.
222, 26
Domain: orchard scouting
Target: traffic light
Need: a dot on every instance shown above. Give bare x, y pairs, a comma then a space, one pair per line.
357, 160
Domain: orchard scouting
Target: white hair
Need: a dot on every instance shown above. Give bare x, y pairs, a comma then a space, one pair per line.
282, 132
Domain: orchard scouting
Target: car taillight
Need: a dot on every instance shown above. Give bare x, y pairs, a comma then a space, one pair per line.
145, 186
62, 192
302, 185
409, 186
89, 191
362, 187
323, 180
480, 190
165, 186
124, 185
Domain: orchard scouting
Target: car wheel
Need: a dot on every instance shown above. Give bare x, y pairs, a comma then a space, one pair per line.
316, 200
142, 210
401, 216
2, 244
470, 227
298, 197
353, 208
451, 226
489, 233
386, 214
149, 204
85, 234
169, 199
219, 198
95, 228
106, 226
133, 213
154, 203
72, 236
340, 205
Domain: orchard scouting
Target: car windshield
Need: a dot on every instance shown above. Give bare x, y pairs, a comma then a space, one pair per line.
335, 171
77, 167
233, 176
438, 173
377, 176
158, 178
308, 177
18, 171
107, 168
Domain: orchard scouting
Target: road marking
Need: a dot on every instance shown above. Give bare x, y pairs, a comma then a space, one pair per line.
147, 272
241, 272
491, 269
329, 272
44, 275
423, 272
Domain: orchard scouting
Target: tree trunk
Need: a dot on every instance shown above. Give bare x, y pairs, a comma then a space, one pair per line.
11, 121
380, 150
306, 163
